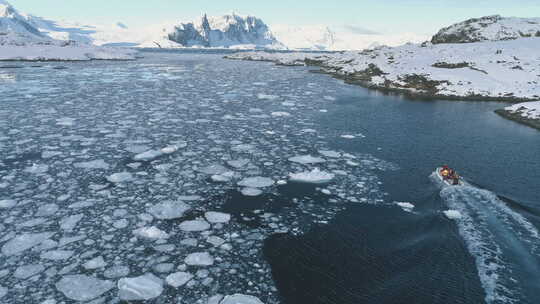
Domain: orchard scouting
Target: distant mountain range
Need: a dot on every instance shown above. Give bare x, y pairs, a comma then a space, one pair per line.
239, 32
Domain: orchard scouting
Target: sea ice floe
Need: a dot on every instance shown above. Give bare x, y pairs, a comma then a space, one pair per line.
5, 204
144, 287
306, 159
95, 263
241, 299
214, 169
215, 240
251, 192
347, 136
256, 182
405, 206
47, 209
178, 279
238, 163
148, 155
217, 217
83, 288
57, 255
117, 271
194, 226
120, 177
169, 149
23, 242
312, 177
452, 214
280, 114
169, 210
26, 271
37, 169
199, 259
223, 178
151, 233
331, 154
93, 164
3, 291
69, 223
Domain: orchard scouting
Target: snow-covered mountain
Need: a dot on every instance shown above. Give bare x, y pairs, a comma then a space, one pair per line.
489, 28
22, 39
15, 28
224, 31
320, 37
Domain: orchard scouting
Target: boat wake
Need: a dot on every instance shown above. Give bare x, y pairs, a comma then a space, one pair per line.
504, 244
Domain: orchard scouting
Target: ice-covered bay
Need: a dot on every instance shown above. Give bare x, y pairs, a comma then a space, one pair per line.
144, 179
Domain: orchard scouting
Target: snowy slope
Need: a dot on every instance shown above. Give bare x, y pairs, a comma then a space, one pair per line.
224, 31
504, 70
320, 37
490, 28
22, 39
14, 28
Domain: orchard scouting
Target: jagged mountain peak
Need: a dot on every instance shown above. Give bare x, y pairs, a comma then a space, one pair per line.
229, 30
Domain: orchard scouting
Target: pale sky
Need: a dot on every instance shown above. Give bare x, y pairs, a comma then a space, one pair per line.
387, 16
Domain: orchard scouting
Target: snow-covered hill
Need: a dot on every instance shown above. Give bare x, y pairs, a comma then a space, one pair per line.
324, 38
224, 31
22, 39
502, 70
490, 28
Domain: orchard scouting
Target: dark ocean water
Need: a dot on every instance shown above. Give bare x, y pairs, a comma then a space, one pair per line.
377, 255
351, 246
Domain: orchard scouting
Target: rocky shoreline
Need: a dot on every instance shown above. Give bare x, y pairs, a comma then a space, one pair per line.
483, 71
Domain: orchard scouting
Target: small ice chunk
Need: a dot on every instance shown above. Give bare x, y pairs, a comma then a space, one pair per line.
405, 206
57, 255
331, 154
65, 121
256, 182
69, 223
151, 233
37, 169
50, 154
267, 97
193, 226
280, 114
217, 217
251, 192
47, 209
314, 177
169, 210
306, 159
121, 177
148, 155
222, 178
178, 279
140, 288
6, 204
215, 169
452, 214
83, 288
26, 271
95, 263
23, 242
199, 259
169, 149
241, 299
215, 240
3, 291
347, 136
116, 272
94, 164
238, 163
